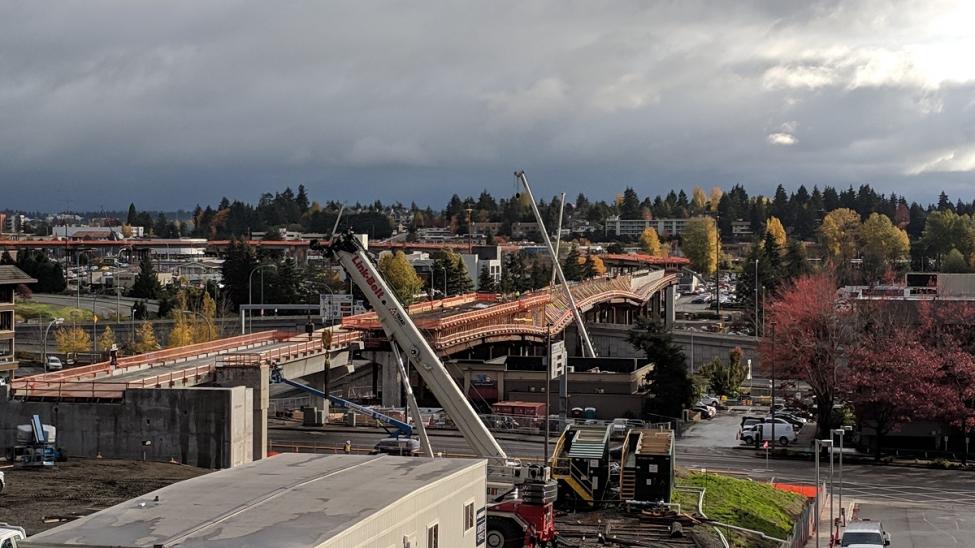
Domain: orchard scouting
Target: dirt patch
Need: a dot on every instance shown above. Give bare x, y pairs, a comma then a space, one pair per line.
34, 499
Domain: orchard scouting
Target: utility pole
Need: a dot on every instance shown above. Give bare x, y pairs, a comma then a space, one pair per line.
548, 386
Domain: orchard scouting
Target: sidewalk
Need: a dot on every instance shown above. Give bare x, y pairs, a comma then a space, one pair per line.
824, 523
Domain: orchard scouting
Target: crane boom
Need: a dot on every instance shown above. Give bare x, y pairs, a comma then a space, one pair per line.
580, 325
403, 332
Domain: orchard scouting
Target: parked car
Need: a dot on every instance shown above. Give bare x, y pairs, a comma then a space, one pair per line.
865, 534
404, 447
53, 363
705, 411
795, 421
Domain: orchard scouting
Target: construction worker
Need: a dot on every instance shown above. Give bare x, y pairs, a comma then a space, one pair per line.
347, 448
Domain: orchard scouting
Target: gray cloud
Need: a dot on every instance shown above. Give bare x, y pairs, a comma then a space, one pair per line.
170, 104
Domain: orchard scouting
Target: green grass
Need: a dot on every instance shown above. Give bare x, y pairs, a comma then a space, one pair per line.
29, 311
744, 503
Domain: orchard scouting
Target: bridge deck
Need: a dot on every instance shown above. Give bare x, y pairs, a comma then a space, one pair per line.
184, 366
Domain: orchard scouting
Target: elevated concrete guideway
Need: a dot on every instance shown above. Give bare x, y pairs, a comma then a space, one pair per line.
186, 366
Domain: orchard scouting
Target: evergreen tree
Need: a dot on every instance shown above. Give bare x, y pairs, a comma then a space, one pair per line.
485, 281
540, 275
133, 216
146, 284
239, 261
571, 268
671, 388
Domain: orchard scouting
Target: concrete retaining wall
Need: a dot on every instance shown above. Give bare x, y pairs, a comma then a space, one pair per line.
206, 427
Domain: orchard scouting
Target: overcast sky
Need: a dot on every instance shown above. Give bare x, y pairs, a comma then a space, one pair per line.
170, 104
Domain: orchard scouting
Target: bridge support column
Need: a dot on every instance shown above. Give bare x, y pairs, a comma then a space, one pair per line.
257, 379
391, 381
671, 307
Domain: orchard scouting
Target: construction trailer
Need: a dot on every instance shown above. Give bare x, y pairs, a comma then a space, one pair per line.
647, 466
580, 464
320, 501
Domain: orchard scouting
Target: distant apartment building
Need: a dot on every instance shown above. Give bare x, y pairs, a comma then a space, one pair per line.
521, 230
87, 232
741, 229
10, 278
666, 228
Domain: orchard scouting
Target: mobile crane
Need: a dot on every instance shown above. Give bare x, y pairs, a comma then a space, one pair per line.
520, 497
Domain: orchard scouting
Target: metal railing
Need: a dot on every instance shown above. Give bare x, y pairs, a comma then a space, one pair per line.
806, 524
107, 389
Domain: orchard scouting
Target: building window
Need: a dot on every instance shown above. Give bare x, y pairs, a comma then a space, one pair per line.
6, 294
433, 536
7, 320
468, 516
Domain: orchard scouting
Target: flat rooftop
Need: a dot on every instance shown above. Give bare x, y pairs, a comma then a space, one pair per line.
285, 500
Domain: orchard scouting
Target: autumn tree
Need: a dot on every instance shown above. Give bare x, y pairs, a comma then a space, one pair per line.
401, 276
839, 233
204, 324
145, 339
775, 229
882, 245
73, 340
892, 374
806, 337
701, 244
715, 198
106, 339
595, 266
650, 242
699, 200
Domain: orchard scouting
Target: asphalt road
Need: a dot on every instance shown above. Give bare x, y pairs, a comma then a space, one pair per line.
104, 304
920, 507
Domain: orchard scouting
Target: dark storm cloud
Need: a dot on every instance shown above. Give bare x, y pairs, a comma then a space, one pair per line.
170, 104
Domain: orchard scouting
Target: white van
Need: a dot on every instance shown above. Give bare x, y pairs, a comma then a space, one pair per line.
784, 432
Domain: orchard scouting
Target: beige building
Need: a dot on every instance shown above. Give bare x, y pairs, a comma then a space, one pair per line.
10, 278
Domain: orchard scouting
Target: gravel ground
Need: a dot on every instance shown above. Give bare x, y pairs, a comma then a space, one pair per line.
36, 499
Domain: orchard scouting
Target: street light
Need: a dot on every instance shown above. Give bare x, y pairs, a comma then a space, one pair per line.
250, 289
444, 268
841, 432
819, 445
55, 321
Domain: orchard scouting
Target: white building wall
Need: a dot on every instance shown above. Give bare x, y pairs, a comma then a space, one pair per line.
440, 502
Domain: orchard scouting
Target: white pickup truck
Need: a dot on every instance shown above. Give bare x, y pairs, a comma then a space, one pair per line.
10, 534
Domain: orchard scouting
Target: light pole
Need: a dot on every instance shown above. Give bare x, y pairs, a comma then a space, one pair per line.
841, 432
250, 290
756, 299
819, 445
55, 321
444, 268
